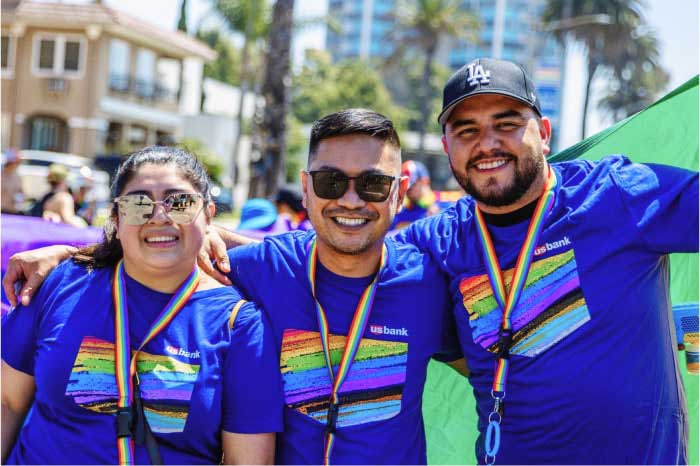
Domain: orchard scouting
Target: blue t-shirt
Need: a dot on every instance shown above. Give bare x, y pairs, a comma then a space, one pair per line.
594, 374
380, 419
198, 376
407, 215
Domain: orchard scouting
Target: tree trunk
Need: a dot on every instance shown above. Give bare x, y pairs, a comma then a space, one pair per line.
592, 68
275, 91
243, 88
425, 95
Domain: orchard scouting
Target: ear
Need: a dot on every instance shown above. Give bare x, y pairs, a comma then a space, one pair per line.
444, 145
546, 134
304, 187
403, 188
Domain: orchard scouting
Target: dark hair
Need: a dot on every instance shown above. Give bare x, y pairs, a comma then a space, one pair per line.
353, 121
109, 251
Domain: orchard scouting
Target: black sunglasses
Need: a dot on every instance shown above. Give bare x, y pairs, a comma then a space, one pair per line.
370, 187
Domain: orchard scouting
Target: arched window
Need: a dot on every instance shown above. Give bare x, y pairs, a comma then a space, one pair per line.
47, 133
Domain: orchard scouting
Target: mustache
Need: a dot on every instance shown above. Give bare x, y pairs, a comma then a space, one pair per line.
495, 154
357, 213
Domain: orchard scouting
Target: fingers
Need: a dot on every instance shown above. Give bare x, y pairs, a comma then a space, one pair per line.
218, 250
29, 288
13, 274
207, 267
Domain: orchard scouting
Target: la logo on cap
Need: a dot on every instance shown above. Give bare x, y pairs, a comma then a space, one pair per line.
476, 74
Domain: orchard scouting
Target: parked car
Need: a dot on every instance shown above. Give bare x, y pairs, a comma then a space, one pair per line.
35, 168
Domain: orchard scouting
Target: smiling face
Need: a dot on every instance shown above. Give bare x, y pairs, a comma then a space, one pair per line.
350, 226
497, 147
160, 247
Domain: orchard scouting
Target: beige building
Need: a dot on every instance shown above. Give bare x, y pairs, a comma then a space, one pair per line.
87, 79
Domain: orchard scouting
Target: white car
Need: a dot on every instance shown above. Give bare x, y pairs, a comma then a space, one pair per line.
35, 167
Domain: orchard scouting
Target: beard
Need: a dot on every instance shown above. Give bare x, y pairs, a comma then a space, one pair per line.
527, 169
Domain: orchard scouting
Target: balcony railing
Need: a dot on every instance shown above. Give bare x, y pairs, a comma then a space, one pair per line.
145, 90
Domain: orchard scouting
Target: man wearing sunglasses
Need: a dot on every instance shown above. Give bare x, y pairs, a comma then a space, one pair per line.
357, 316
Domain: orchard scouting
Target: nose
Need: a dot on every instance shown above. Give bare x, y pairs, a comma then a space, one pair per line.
159, 215
350, 199
489, 140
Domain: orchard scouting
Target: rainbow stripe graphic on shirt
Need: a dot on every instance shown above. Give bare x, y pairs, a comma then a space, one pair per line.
372, 390
166, 384
551, 306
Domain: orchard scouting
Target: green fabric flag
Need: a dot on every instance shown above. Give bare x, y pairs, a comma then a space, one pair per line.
665, 132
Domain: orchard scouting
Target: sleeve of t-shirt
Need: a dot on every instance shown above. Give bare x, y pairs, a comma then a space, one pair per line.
432, 235
662, 202
248, 272
252, 384
20, 327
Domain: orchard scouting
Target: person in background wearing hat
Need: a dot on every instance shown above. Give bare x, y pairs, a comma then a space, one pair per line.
12, 195
259, 219
559, 277
58, 205
420, 200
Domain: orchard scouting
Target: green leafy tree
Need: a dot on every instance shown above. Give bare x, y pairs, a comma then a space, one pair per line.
226, 67
250, 19
322, 87
414, 75
422, 25
604, 27
211, 161
182, 21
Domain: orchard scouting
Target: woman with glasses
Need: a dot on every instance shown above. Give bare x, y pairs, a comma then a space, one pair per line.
129, 354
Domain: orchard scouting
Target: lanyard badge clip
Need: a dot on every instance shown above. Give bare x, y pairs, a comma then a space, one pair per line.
332, 417
124, 422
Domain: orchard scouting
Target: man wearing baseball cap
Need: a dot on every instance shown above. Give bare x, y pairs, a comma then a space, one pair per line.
559, 279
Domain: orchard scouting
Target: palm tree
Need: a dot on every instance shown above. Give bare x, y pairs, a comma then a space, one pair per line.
423, 24
602, 26
250, 19
268, 172
638, 78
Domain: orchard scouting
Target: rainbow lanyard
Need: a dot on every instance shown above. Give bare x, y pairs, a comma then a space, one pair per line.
352, 342
124, 367
507, 302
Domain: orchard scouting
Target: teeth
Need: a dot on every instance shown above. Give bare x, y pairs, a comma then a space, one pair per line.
160, 239
353, 222
490, 165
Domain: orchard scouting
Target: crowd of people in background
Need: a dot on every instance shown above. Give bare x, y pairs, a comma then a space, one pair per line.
68, 200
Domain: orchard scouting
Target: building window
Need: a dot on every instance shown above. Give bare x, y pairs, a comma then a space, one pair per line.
47, 133
119, 78
113, 141
58, 55
7, 48
145, 74
138, 135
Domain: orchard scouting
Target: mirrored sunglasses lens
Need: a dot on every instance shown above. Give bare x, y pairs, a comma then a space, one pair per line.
136, 209
182, 208
329, 184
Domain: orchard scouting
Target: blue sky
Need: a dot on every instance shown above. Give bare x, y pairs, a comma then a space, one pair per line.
676, 22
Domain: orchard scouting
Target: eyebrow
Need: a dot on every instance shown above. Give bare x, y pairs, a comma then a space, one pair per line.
507, 114
510, 113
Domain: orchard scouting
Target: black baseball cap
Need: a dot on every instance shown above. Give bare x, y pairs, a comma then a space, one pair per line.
488, 76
